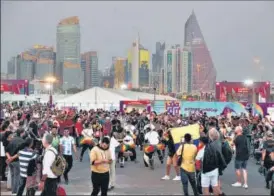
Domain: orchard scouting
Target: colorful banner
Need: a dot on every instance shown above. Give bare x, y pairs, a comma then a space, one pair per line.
211, 108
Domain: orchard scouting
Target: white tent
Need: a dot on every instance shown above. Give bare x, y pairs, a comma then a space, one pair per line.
6, 97
93, 98
108, 99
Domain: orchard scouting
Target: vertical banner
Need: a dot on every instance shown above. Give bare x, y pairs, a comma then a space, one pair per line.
173, 107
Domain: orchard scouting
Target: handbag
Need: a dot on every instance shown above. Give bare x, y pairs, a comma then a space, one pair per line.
180, 159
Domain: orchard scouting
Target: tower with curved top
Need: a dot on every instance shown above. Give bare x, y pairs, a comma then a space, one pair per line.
203, 69
68, 59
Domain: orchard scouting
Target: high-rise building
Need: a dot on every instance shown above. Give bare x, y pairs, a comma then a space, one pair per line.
12, 68
157, 65
158, 57
170, 70
25, 69
186, 71
138, 63
203, 70
89, 65
68, 59
120, 64
177, 70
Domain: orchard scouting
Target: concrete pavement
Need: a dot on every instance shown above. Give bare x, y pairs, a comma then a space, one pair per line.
135, 179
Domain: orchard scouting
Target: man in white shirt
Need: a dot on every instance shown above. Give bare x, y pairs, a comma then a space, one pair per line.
48, 184
152, 138
67, 144
112, 146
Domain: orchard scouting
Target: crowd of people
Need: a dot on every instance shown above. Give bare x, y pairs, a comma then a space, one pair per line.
39, 145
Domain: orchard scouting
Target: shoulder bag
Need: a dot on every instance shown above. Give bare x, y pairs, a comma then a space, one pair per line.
180, 159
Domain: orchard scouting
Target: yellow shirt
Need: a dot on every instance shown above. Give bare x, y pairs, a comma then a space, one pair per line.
98, 154
189, 154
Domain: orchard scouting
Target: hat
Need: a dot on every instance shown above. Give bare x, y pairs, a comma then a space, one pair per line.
269, 134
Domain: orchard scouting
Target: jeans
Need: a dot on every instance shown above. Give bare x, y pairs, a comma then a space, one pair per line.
100, 181
50, 187
112, 173
69, 161
15, 176
3, 166
22, 185
84, 148
188, 176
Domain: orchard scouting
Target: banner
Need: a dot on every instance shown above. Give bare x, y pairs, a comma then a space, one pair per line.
212, 108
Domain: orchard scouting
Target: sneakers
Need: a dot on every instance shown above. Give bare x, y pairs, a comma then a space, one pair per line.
245, 186
166, 177
177, 178
237, 184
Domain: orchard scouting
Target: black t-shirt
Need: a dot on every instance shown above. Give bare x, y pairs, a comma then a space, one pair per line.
268, 145
14, 146
242, 151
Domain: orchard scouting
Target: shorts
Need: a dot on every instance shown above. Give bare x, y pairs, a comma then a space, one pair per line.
240, 164
210, 178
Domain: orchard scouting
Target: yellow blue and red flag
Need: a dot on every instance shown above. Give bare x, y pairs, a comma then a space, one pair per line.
179, 133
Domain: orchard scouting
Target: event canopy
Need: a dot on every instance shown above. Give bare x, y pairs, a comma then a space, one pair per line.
6, 97
105, 98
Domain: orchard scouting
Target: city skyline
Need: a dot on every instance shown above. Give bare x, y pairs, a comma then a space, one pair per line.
233, 44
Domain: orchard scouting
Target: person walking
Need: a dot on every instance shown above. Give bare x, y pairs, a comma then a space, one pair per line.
25, 156
14, 146
172, 158
87, 133
113, 145
48, 183
242, 156
100, 160
187, 153
67, 144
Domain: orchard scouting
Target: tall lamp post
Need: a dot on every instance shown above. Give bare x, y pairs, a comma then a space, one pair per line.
50, 81
250, 85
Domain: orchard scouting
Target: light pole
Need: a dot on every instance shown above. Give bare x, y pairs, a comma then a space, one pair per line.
50, 81
250, 85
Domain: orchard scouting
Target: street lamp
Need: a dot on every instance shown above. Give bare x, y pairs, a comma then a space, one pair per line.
250, 84
50, 80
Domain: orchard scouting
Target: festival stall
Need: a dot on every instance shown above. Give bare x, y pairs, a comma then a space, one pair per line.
128, 106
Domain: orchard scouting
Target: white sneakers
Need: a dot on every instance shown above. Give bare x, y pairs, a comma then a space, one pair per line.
238, 184
177, 178
168, 178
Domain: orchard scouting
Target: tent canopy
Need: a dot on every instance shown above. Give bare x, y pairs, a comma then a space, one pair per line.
97, 97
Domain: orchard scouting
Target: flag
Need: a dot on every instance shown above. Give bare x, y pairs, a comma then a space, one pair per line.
178, 133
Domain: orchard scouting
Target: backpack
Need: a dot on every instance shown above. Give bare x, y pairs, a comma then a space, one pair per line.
227, 152
59, 165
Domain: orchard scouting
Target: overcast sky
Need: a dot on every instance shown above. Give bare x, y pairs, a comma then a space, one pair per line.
235, 32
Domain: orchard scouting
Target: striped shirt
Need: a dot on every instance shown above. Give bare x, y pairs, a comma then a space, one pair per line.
24, 158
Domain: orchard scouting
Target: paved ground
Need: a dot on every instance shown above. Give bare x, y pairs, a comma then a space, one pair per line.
135, 179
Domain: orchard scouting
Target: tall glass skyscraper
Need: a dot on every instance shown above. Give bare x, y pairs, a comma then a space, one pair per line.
68, 58
203, 70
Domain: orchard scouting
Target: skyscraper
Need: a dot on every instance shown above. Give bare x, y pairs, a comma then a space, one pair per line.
170, 70
68, 59
203, 70
89, 65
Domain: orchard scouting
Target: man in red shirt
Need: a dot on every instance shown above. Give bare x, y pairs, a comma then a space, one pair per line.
78, 130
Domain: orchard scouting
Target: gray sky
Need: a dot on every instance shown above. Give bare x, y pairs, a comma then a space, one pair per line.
235, 32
